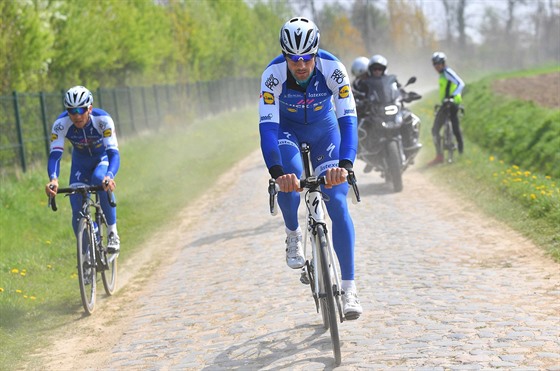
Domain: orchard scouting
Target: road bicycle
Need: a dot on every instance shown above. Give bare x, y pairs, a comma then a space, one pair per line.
321, 272
92, 254
447, 140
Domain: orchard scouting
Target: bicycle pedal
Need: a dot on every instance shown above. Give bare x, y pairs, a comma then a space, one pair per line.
304, 278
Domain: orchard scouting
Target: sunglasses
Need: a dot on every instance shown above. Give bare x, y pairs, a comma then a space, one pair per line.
378, 68
77, 110
296, 58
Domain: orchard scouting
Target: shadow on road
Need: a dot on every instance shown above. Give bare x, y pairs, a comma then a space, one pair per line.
375, 189
264, 228
277, 351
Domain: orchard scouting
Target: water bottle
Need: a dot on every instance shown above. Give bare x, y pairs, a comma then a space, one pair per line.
96, 232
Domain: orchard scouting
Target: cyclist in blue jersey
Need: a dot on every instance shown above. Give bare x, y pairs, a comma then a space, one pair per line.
450, 86
95, 154
306, 97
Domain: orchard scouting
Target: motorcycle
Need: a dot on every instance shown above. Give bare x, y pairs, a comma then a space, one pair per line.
388, 132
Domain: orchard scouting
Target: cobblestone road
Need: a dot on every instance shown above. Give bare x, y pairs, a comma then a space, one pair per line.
443, 288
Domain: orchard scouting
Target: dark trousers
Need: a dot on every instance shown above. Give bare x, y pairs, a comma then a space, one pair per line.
440, 121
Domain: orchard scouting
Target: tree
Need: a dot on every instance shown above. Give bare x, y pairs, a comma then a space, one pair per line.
25, 41
338, 35
373, 25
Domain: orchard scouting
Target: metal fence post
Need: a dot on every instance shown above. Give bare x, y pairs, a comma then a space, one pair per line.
44, 119
131, 110
145, 109
157, 106
115, 105
100, 104
19, 133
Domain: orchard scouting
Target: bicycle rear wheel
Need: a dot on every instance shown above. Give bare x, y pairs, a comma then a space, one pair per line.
449, 141
328, 305
109, 275
86, 265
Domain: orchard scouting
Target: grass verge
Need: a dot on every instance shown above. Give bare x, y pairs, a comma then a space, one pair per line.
525, 200
161, 173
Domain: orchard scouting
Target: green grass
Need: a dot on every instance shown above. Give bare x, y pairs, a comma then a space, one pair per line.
523, 198
163, 172
160, 174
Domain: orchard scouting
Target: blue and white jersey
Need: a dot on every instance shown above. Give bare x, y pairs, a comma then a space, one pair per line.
95, 140
326, 99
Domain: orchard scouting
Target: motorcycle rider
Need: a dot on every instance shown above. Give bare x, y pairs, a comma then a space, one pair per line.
360, 71
450, 86
374, 86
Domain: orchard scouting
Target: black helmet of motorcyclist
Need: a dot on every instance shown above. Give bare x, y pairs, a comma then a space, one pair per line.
377, 62
438, 57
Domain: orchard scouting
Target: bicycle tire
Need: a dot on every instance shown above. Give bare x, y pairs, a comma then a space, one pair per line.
86, 265
323, 305
329, 302
449, 142
109, 275
394, 165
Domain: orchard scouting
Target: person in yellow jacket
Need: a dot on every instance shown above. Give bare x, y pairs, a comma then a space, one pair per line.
450, 86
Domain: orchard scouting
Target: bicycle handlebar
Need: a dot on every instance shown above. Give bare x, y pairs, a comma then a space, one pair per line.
312, 182
81, 190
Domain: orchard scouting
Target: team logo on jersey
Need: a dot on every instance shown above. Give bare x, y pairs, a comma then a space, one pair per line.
344, 92
58, 127
268, 98
107, 133
338, 76
271, 82
292, 110
267, 117
54, 137
318, 108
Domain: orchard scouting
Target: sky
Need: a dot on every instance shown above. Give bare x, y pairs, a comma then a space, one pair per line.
435, 12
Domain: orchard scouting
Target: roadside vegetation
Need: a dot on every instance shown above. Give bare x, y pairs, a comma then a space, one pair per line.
163, 172
510, 165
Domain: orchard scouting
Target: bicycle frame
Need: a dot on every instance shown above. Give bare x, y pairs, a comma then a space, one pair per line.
316, 216
447, 140
92, 256
324, 278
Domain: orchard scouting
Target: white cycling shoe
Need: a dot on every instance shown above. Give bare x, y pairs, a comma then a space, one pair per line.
294, 250
351, 306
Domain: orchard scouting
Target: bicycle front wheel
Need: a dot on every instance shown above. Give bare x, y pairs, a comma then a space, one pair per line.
328, 305
86, 265
109, 272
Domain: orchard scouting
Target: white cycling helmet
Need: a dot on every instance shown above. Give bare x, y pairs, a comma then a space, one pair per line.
78, 96
359, 66
438, 57
299, 36
378, 60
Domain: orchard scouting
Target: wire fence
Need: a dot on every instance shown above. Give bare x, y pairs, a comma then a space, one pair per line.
26, 118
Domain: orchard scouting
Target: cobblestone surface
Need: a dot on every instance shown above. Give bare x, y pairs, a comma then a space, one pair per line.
443, 288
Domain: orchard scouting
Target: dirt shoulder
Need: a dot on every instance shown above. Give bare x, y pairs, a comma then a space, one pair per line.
541, 89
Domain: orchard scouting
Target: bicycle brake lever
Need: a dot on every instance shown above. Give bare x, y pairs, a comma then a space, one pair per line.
273, 191
351, 179
52, 202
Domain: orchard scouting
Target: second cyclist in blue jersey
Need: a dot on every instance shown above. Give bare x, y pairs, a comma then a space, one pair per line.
306, 97
95, 155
